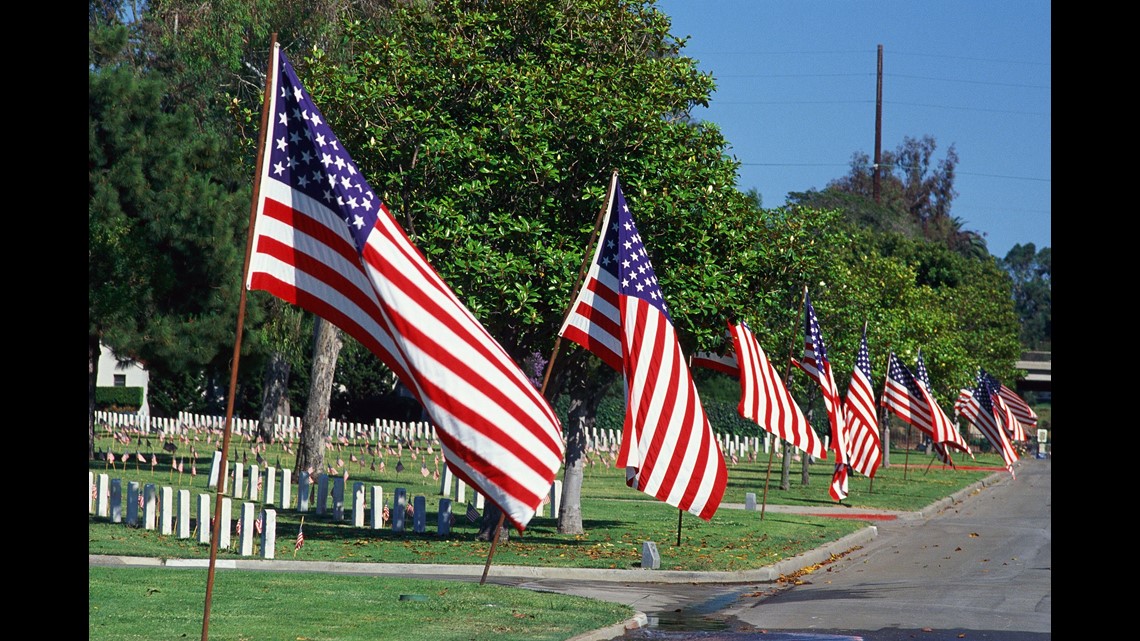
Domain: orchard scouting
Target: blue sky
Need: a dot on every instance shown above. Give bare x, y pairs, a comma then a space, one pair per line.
796, 84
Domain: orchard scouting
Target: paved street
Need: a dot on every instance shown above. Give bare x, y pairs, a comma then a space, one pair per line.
978, 569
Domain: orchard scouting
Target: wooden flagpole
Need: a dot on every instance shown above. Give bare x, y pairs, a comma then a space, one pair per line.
221, 488
788, 384
557, 343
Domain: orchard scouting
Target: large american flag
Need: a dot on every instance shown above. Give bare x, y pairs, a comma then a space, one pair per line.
765, 398
818, 367
1025, 414
946, 433
324, 241
668, 447
977, 406
863, 443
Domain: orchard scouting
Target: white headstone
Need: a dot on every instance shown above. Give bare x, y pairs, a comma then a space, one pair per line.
443, 520
183, 514
399, 506
215, 469
358, 504
338, 498
750, 501
376, 513
268, 532
479, 501
254, 483
92, 492
322, 493
286, 488
460, 491
133, 496
419, 518
238, 489
650, 558
103, 502
226, 520
270, 493
556, 499
116, 500
303, 485
150, 507
445, 482
204, 519
247, 532
166, 511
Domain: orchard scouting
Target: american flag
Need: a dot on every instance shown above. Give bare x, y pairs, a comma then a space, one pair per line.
300, 539
257, 525
946, 433
1025, 414
472, 513
906, 398
324, 241
977, 406
818, 367
668, 447
765, 398
1014, 413
864, 446
1013, 427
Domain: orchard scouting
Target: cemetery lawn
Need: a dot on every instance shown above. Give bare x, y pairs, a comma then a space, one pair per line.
130, 604
616, 519
142, 603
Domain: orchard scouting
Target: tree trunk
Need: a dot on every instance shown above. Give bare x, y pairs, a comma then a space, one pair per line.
92, 377
586, 394
315, 424
885, 437
805, 458
274, 397
786, 467
570, 510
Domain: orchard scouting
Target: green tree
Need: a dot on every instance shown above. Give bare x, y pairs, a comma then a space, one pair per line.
164, 256
491, 130
1031, 271
916, 194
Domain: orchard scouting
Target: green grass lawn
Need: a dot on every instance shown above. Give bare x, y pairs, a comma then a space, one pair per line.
616, 520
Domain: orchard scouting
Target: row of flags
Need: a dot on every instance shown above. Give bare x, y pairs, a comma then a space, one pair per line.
323, 240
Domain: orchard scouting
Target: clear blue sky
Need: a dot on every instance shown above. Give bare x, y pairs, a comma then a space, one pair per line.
795, 95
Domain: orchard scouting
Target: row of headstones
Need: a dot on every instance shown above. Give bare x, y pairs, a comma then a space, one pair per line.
162, 513
267, 493
380, 430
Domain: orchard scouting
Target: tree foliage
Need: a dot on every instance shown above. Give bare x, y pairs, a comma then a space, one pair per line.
1031, 272
164, 253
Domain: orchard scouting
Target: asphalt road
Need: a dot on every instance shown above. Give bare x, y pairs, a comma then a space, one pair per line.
979, 569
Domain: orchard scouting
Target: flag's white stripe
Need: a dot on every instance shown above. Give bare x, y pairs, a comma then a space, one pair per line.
602, 281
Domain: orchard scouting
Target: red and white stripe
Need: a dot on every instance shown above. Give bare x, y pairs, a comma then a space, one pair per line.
864, 446
970, 409
766, 400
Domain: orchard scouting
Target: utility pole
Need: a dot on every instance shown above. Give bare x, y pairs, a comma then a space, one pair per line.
875, 185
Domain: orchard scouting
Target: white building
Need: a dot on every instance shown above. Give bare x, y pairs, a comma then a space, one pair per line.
113, 374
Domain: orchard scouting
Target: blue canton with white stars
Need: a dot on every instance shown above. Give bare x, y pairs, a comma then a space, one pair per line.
899, 373
982, 392
863, 359
814, 333
921, 374
306, 155
624, 256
